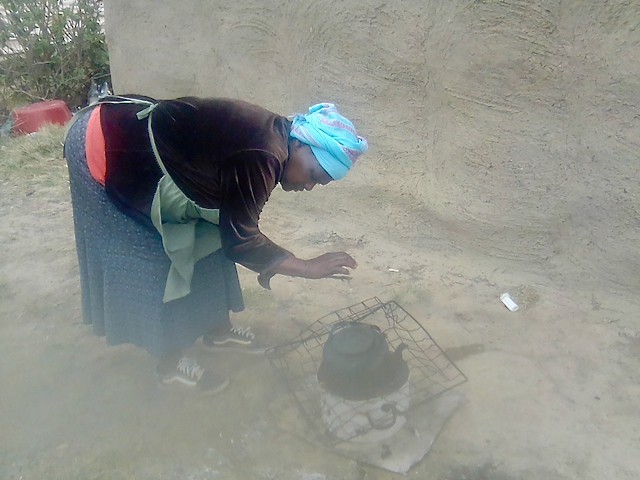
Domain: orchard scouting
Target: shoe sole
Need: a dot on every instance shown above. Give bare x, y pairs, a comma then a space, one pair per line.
176, 383
179, 381
231, 340
234, 347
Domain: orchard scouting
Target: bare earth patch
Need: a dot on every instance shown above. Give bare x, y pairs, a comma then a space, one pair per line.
552, 390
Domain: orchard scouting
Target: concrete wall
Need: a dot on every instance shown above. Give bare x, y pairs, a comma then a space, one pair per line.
513, 122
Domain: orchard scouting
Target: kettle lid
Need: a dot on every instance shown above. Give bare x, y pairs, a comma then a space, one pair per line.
354, 339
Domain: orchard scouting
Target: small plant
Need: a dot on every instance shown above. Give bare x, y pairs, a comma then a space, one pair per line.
50, 49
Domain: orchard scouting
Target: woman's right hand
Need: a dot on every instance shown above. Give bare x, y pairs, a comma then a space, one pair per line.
328, 265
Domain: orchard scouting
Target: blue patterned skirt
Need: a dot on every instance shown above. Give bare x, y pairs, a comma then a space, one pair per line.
123, 270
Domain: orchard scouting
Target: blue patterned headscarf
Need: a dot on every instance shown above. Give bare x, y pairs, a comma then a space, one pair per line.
332, 138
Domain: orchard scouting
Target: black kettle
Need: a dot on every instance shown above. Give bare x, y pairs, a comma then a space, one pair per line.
357, 363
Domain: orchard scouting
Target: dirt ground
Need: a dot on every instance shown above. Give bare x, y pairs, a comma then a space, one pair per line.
517, 170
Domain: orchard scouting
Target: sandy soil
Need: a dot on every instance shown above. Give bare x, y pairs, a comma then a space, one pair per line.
522, 178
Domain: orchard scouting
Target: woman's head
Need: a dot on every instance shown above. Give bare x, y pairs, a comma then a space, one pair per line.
330, 138
302, 170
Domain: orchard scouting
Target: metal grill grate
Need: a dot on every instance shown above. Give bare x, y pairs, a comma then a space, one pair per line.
297, 361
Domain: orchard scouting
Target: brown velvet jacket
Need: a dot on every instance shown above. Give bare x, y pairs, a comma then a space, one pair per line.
221, 153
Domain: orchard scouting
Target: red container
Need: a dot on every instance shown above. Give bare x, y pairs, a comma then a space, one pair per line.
31, 118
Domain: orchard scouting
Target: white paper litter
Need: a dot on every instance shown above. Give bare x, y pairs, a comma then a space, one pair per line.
509, 302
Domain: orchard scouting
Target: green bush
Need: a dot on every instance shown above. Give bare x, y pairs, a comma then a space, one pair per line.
50, 49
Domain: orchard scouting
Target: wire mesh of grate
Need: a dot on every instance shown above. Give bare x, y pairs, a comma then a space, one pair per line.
296, 363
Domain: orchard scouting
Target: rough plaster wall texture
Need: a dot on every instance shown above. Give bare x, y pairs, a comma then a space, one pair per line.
513, 122
287, 56
524, 137
601, 197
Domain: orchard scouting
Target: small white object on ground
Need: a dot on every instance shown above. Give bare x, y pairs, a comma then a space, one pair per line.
509, 302
394, 270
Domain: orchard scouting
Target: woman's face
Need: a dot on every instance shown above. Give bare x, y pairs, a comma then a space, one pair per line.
302, 171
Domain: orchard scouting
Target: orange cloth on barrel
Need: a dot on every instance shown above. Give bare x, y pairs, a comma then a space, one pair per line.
95, 147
